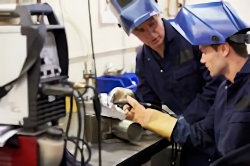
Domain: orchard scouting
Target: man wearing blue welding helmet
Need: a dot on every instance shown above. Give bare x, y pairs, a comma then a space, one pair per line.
168, 68
222, 37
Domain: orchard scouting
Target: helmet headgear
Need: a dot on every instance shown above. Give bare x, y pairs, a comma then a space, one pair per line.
131, 13
210, 23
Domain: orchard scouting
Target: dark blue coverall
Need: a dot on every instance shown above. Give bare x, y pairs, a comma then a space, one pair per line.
227, 123
179, 81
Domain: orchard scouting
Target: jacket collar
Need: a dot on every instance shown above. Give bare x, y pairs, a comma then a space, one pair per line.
244, 70
169, 31
246, 67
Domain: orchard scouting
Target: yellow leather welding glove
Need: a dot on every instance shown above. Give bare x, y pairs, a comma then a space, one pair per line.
151, 119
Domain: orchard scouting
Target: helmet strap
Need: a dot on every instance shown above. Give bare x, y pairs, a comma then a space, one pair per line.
240, 38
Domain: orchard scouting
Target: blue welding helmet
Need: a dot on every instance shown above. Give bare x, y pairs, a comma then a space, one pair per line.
131, 13
210, 23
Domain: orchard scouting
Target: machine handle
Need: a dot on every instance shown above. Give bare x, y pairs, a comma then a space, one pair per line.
7, 8
25, 12
38, 9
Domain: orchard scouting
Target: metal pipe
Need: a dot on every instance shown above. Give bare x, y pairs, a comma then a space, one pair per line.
127, 130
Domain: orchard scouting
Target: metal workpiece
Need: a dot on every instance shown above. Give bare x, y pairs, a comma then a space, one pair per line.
90, 128
127, 130
113, 123
123, 129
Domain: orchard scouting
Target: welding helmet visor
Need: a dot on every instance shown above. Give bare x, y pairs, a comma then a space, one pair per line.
210, 23
131, 13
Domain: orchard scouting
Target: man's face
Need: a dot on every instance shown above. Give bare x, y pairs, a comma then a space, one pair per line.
151, 32
213, 60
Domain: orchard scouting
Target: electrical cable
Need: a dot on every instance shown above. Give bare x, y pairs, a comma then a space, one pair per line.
83, 112
96, 101
91, 40
97, 109
68, 126
81, 109
66, 89
69, 120
78, 105
146, 105
87, 146
77, 147
83, 115
80, 112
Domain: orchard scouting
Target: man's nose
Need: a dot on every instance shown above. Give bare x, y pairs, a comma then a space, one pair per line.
151, 32
202, 58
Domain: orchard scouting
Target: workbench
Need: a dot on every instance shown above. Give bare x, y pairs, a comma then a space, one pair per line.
123, 153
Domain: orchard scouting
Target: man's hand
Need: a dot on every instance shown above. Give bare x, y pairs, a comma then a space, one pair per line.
136, 112
156, 121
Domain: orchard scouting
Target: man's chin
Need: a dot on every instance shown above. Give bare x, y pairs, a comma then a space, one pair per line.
213, 74
155, 46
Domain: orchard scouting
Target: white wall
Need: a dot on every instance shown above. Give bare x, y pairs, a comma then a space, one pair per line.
111, 44
7, 1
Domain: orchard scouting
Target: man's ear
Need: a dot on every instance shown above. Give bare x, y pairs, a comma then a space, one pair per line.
225, 49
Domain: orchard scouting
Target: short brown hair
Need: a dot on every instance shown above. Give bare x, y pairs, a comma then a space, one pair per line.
239, 48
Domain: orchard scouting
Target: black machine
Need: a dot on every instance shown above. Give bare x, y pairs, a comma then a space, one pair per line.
39, 61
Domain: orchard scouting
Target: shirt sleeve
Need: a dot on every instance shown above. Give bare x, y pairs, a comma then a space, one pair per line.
200, 134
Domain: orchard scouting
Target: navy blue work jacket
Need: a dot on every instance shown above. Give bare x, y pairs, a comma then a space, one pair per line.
179, 80
227, 123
